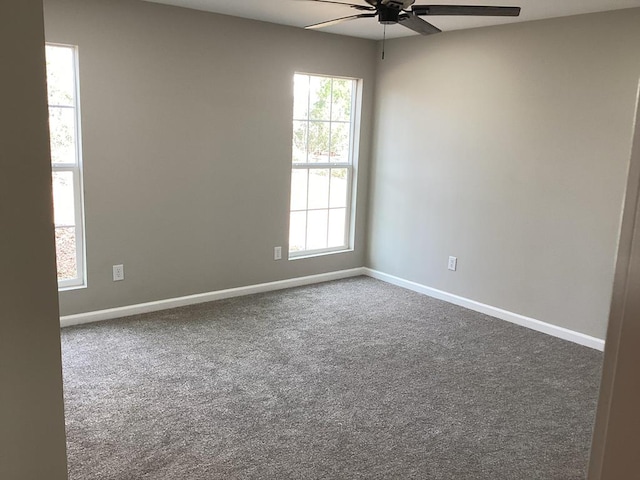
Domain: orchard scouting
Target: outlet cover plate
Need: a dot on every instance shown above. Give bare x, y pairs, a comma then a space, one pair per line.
453, 263
118, 273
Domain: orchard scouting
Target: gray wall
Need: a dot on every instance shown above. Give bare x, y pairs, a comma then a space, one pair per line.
508, 147
32, 442
186, 121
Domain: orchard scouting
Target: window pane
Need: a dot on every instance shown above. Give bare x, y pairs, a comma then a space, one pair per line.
60, 75
318, 142
63, 199
66, 253
299, 142
300, 97
297, 231
337, 224
299, 189
340, 142
317, 230
318, 188
62, 132
339, 187
320, 98
341, 106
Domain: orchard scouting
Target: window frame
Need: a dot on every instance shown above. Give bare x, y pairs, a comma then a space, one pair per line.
76, 169
350, 166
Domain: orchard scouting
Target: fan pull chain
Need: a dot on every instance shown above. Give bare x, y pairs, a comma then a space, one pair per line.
384, 38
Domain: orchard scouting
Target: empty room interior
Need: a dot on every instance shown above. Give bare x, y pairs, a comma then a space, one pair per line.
363, 250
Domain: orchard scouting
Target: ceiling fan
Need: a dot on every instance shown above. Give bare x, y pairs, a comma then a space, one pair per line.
405, 13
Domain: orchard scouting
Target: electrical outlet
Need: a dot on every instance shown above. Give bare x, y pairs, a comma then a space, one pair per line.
453, 263
277, 253
118, 273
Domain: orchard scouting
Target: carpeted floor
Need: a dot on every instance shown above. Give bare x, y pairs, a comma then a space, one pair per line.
354, 379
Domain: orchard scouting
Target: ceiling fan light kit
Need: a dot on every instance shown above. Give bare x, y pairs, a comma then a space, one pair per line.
405, 13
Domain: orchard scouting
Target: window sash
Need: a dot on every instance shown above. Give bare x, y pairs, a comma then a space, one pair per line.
78, 280
348, 212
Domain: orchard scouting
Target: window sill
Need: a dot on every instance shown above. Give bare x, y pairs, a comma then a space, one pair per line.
320, 254
72, 287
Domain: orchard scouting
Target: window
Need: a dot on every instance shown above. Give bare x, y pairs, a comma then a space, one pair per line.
64, 131
322, 164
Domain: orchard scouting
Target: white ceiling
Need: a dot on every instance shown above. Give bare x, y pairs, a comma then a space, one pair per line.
299, 13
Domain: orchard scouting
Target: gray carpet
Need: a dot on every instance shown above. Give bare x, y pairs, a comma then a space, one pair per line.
354, 379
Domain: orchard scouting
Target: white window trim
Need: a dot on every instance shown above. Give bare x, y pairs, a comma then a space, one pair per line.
78, 183
351, 167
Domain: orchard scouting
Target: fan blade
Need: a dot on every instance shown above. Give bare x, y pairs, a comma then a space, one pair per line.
340, 20
472, 10
352, 5
417, 24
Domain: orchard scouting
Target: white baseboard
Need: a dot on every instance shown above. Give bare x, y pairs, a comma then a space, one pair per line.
129, 310
516, 318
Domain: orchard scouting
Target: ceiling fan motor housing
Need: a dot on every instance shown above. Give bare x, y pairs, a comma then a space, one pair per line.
389, 10
398, 4
388, 15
